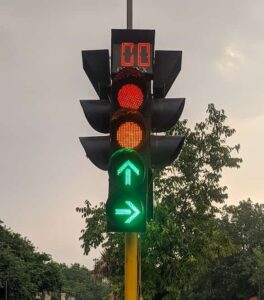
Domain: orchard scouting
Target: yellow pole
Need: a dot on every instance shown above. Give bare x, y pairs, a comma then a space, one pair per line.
139, 269
131, 266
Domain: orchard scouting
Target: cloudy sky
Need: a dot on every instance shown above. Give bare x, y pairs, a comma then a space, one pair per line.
44, 174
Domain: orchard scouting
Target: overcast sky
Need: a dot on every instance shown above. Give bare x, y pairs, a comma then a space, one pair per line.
44, 174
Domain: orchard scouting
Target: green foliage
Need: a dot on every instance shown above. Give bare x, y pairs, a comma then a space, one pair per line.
184, 238
28, 272
245, 224
257, 277
25, 270
94, 233
240, 275
80, 283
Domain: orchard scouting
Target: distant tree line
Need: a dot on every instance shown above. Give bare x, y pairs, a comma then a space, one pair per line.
25, 272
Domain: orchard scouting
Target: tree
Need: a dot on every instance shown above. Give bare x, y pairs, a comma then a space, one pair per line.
25, 270
257, 277
244, 224
184, 236
80, 283
239, 275
28, 272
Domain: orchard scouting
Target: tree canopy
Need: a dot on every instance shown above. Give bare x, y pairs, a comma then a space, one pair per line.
24, 269
241, 274
26, 272
185, 237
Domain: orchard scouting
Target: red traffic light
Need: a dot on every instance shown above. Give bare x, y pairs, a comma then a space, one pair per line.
129, 89
130, 96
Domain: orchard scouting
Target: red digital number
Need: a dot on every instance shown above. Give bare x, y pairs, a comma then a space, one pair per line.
128, 51
127, 47
141, 48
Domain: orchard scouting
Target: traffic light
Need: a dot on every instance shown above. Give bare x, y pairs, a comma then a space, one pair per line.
129, 162
132, 70
132, 106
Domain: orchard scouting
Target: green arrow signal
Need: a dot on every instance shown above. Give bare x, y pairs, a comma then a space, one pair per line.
128, 212
127, 167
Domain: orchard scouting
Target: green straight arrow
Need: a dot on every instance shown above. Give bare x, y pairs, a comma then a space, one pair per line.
123, 211
127, 167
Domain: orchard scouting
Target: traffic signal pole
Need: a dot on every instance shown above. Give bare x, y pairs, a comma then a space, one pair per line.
131, 238
131, 266
129, 14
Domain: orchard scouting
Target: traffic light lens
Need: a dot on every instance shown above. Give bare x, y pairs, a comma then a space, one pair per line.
130, 96
126, 169
126, 213
129, 135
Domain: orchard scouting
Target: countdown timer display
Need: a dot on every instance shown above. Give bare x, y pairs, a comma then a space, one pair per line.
132, 48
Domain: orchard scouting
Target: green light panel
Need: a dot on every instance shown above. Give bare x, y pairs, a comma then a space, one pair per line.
127, 168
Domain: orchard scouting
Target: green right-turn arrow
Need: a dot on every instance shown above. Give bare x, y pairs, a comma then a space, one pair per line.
133, 212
